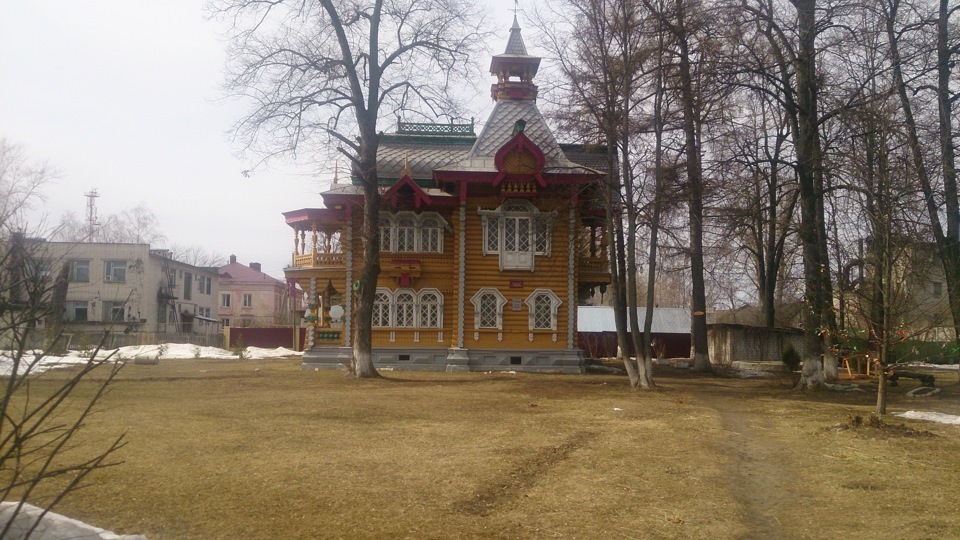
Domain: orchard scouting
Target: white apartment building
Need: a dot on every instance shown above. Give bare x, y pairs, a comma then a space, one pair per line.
132, 288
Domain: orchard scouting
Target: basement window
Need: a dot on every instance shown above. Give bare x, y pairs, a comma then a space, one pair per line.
516, 360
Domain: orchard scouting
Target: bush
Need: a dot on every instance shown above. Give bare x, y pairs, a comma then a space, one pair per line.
791, 358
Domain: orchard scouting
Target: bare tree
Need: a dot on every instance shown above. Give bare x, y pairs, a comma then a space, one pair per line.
929, 69
20, 183
327, 71
196, 255
40, 414
137, 225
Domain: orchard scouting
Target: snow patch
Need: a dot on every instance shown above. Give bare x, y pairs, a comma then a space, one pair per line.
945, 367
36, 362
53, 526
930, 416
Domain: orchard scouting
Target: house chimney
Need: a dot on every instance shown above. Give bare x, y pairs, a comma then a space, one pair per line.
233, 259
255, 266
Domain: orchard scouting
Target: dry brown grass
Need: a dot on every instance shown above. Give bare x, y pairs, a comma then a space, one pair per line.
260, 449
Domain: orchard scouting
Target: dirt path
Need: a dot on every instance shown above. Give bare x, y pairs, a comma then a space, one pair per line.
758, 476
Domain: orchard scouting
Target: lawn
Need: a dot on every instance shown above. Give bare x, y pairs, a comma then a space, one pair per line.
261, 449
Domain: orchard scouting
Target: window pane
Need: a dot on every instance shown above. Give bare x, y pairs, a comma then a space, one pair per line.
429, 311
523, 234
405, 235
510, 234
543, 312
381, 310
493, 234
80, 271
543, 237
115, 271
488, 311
405, 305
430, 236
384, 235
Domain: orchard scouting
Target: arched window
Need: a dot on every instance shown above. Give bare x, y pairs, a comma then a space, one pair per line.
430, 314
385, 234
488, 308
542, 305
430, 239
381, 309
405, 304
406, 239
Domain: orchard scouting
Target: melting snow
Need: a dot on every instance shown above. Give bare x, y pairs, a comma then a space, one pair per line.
37, 362
931, 416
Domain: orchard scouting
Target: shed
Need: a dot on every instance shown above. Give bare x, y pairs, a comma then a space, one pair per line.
597, 331
745, 343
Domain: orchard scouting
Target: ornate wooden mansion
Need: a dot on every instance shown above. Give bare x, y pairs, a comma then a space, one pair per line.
488, 243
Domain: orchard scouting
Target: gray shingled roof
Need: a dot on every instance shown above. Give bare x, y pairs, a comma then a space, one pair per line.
422, 158
590, 156
500, 128
515, 43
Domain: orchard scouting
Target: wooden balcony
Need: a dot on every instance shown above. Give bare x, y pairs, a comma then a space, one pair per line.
594, 270
319, 260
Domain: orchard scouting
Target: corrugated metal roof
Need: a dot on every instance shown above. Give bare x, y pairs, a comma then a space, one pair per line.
665, 320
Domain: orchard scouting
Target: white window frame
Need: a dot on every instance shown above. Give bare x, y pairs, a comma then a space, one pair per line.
385, 224
71, 307
532, 306
406, 226
247, 300
386, 310
75, 266
494, 230
389, 225
109, 271
425, 230
476, 300
400, 319
225, 300
438, 305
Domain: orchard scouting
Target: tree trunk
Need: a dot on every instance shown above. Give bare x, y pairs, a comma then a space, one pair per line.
807, 145
698, 303
658, 126
363, 366
615, 247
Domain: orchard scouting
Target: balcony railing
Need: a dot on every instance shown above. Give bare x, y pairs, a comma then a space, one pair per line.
319, 260
594, 265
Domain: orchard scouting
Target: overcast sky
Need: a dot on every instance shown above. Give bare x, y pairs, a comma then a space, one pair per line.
124, 96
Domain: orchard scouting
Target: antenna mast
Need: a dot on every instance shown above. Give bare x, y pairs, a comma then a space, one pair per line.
92, 222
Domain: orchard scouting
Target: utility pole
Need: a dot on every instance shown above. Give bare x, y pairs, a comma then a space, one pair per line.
92, 222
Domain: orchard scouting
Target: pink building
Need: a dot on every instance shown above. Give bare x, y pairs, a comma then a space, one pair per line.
248, 297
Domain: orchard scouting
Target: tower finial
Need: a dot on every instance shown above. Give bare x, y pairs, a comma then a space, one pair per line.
336, 172
405, 171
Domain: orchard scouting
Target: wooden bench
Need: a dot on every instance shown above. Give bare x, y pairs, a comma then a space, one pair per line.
925, 379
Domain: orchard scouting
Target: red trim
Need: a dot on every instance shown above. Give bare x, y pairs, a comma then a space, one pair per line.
320, 215
420, 198
520, 143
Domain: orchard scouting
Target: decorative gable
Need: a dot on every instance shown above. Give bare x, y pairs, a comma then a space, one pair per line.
519, 160
406, 188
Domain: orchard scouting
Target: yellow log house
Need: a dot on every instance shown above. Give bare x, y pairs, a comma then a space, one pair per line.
488, 243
